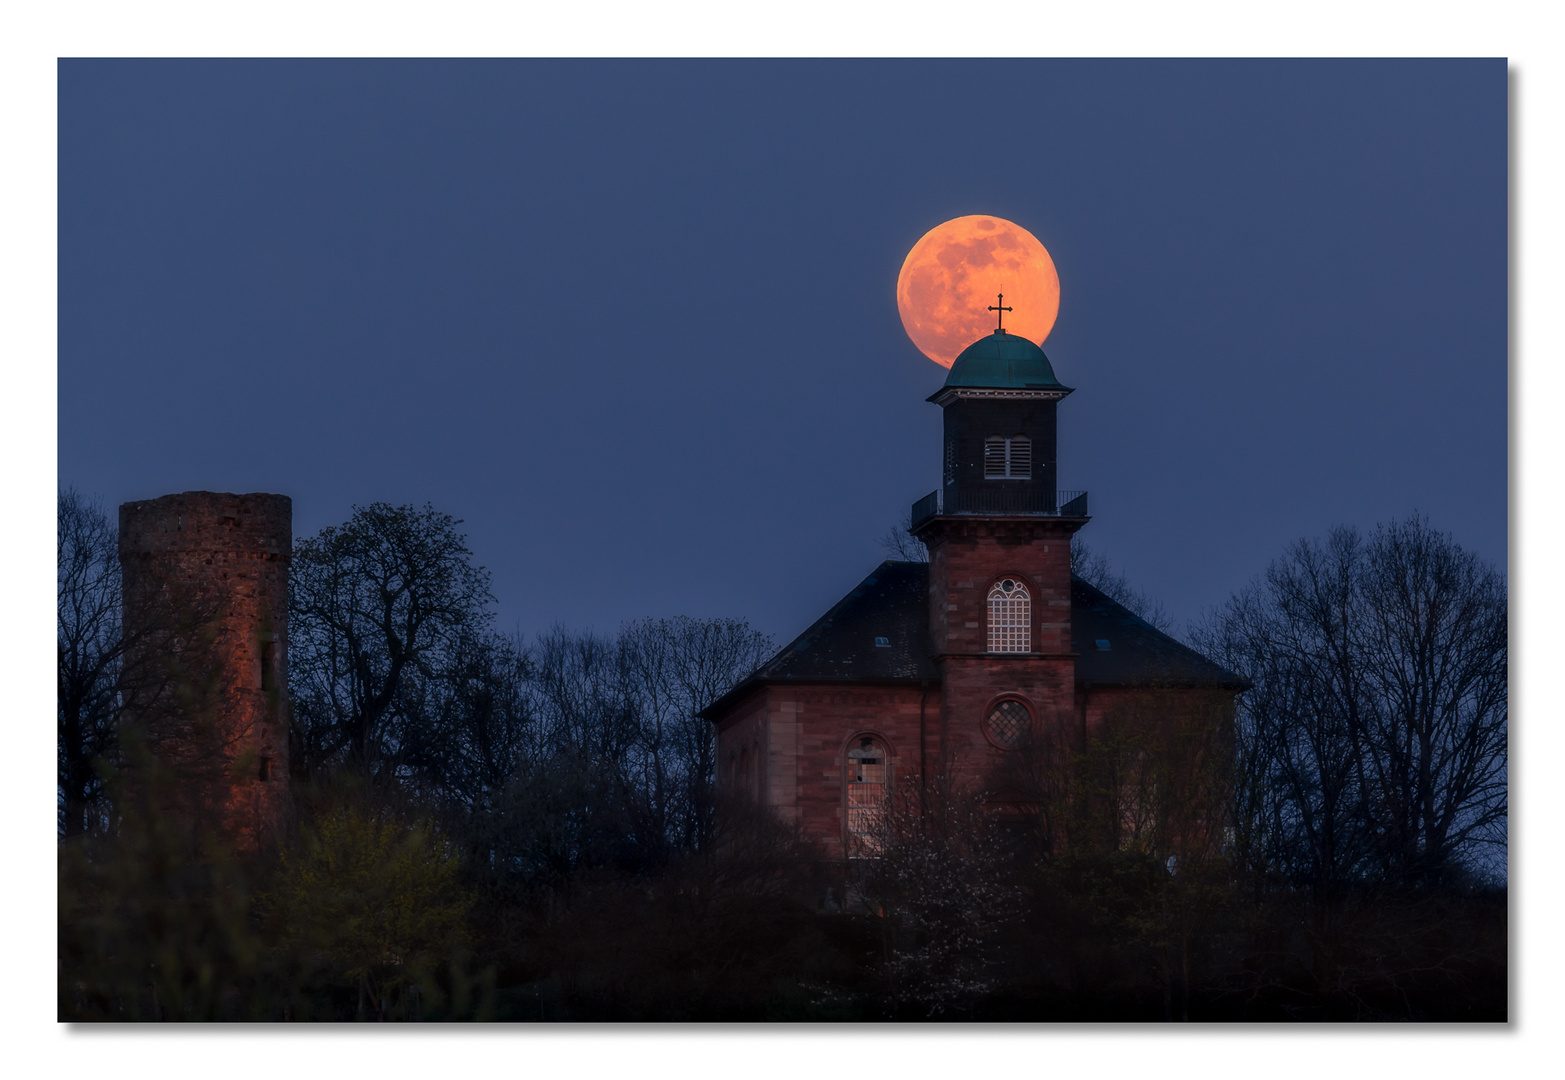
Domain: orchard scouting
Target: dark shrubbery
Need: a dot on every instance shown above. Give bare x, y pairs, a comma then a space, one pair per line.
487, 829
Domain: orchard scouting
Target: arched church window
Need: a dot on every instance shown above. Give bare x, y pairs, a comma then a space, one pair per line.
1007, 458
868, 775
1010, 617
1008, 724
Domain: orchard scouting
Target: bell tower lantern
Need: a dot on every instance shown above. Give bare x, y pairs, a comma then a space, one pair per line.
999, 452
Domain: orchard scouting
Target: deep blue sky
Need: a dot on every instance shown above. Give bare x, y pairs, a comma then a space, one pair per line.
635, 322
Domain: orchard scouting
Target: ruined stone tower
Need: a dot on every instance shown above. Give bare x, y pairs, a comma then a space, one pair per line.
206, 630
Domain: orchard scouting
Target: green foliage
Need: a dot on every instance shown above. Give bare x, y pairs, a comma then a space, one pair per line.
372, 902
155, 924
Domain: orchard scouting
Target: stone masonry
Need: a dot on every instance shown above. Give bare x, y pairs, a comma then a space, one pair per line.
206, 625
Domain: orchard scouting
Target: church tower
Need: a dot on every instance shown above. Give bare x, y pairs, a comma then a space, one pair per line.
927, 674
998, 533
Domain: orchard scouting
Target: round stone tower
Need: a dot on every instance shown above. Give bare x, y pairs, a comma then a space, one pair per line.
206, 636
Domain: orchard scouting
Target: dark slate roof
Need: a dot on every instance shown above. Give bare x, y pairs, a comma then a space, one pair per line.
1138, 652
893, 603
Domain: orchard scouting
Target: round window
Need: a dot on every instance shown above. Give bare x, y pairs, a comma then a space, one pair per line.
1008, 724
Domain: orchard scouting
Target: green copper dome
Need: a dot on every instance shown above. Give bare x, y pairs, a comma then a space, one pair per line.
1001, 361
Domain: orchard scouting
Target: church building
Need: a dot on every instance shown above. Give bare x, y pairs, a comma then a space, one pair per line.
942, 669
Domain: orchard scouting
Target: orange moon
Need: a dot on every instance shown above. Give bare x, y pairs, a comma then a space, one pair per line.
953, 274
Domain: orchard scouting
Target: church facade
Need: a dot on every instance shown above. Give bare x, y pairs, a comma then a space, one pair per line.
945, 671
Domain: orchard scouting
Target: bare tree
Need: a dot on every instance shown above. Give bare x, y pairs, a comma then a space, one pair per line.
90, 656
1094, 568
1376, 735
379, 607
612, 767
1435, 639
1304, 809
476, 724
680, 666
902, 545
572, 751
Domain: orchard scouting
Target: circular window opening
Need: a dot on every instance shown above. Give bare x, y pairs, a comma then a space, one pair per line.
1008, 724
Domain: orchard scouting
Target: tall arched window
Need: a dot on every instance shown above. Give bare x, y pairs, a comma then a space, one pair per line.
1010, 617
868, 771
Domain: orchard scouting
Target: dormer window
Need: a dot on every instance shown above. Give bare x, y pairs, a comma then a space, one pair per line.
1007, 458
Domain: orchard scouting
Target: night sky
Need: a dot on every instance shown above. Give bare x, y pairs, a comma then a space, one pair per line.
635, 322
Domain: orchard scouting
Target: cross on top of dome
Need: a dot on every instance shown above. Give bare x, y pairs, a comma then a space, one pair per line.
999, 318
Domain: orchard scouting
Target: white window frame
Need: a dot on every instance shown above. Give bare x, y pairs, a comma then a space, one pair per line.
866, 796
1010, 616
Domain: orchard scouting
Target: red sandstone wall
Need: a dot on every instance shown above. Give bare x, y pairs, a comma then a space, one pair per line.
743, 731
1099, 707
805, 732
802, 733
967, 556
972, 687
206, 600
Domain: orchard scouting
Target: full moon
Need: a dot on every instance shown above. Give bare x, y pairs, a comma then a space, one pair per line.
954, 273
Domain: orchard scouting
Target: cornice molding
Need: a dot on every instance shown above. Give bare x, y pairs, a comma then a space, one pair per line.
955, 392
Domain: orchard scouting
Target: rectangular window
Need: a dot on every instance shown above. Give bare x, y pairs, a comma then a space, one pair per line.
1007, 459
1010, 625
866, 799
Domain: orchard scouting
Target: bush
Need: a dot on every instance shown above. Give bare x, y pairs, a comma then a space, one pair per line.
370, 902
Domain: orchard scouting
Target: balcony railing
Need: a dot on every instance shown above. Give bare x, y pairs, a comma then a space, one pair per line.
1001, 502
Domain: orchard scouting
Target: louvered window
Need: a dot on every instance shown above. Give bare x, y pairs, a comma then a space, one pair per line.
1007, 459
1010, 617
1020, 464
994, 458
